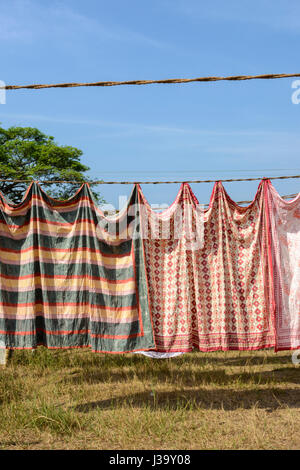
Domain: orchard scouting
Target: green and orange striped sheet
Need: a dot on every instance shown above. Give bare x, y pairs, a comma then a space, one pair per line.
70, 277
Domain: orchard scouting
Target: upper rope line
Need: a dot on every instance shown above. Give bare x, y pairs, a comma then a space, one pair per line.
149, 182
150, 82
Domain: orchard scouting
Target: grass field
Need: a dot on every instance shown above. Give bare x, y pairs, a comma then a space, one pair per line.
80, 400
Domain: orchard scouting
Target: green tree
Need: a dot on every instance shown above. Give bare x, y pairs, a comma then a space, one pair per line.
27, 153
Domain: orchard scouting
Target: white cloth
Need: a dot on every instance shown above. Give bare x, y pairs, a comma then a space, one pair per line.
159, 355
285, 248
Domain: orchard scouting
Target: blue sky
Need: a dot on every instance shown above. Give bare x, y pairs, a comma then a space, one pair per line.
159, 132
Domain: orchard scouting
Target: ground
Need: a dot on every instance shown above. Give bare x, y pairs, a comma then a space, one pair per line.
82, 400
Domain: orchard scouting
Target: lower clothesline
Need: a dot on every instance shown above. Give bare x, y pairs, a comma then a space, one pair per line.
76, 182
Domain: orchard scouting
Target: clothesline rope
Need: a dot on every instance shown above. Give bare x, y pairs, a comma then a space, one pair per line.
286, 196
150, 82
151, 182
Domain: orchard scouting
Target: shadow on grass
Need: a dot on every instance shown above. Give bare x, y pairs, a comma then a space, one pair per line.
43, 357
185, 376
224, 399
4, 444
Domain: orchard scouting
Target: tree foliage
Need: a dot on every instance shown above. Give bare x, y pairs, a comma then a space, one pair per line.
27, 153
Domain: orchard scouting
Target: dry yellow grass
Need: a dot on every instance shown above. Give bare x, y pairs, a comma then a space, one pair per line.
81, 400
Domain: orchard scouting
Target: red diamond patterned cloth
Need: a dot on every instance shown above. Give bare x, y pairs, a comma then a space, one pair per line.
208, 273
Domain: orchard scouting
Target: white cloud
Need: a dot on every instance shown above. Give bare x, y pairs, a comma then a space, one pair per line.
279, 15
137, 128
29, 20
11, 25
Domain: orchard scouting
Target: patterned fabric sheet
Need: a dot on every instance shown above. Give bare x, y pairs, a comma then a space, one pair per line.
69, 277
208, 273
285, 243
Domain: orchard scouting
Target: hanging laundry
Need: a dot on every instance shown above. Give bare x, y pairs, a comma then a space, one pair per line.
69, 277
285, 252
214, 296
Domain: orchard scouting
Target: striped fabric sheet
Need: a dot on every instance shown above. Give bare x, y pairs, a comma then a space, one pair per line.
69, 277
